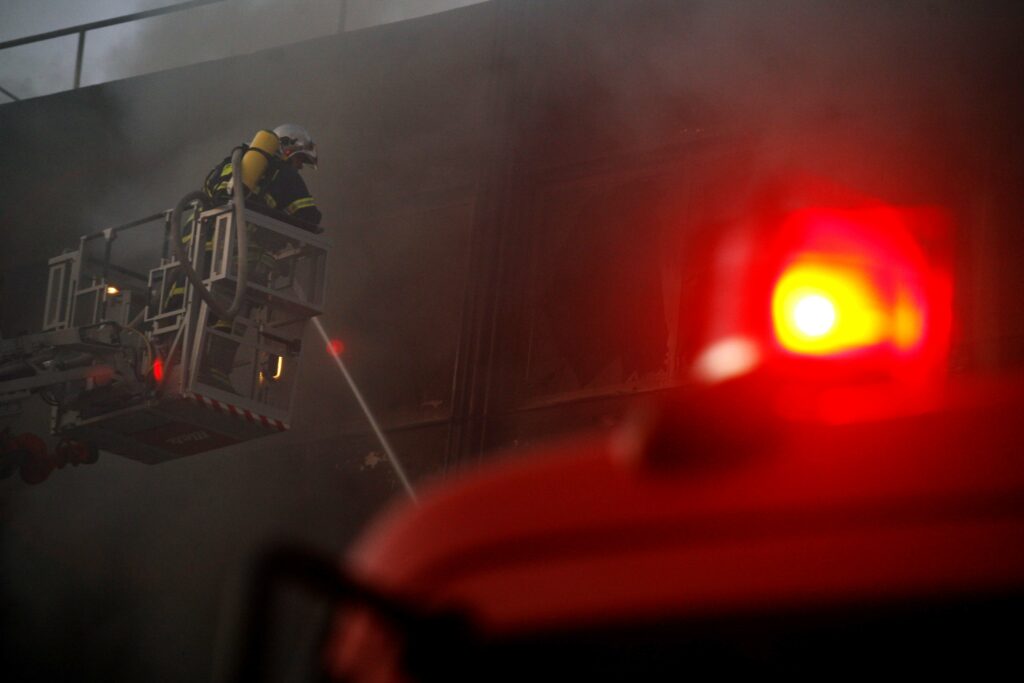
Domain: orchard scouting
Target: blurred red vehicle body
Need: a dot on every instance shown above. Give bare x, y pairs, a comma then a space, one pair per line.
713, 537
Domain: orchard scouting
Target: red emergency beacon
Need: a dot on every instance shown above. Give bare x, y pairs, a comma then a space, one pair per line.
856, 282
847, 307
866, 285
819, 503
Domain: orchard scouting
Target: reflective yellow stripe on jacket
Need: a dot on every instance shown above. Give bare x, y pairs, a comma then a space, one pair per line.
300, 204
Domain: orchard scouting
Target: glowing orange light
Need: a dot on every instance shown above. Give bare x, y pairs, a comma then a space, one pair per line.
907, 322
336, 347
822, 308
112, 290
158, 370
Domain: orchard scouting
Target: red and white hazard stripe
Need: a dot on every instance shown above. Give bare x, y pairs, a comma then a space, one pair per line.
245, 413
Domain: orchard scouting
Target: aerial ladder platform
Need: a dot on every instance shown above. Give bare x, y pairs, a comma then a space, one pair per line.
131, 354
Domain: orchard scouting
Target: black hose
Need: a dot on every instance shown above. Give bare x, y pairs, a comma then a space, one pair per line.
287, 564
433, 640
241, 238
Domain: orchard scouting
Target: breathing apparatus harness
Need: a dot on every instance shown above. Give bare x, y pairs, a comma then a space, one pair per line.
248, 163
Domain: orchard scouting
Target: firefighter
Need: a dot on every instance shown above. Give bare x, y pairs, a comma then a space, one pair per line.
280, 189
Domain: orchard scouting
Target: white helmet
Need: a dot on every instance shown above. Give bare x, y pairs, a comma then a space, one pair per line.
296, 142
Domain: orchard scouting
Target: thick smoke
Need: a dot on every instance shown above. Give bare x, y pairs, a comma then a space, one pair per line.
126, 564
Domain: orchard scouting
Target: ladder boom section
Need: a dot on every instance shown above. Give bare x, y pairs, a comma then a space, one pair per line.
132, 359
70, 362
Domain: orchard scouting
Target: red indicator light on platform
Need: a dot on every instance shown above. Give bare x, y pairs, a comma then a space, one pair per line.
158, 370
335, 347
